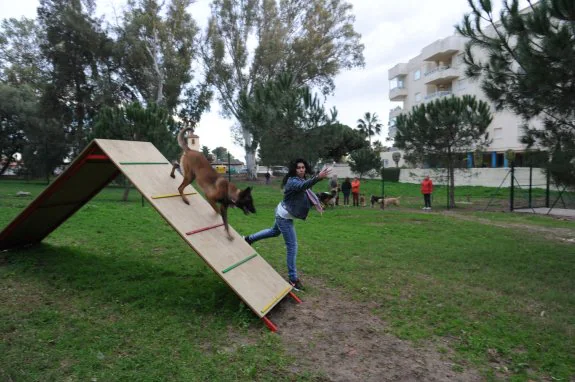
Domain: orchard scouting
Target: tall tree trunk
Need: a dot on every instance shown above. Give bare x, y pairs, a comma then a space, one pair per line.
154, 52
451, 186
451, 172
7, 163
250, 155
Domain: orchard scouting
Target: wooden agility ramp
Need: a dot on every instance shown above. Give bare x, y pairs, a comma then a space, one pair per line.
236, 262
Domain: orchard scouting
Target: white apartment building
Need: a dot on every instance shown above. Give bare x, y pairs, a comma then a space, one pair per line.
439, 71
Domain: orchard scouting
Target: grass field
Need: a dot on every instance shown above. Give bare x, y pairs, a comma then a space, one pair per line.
114, 293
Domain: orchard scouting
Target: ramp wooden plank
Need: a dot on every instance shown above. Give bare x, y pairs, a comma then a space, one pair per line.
256, 282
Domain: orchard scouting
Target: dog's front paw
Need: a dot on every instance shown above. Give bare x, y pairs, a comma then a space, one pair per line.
230, 238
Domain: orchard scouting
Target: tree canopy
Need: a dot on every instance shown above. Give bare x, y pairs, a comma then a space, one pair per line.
314, 40
363, 161
369, 125
529, 69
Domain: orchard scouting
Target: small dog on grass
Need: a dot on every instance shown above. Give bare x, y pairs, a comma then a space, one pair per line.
327, 198
375, 200
383, 201
391, 201
362, 200
217, 189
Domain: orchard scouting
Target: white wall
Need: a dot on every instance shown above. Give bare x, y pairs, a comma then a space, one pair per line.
486, 177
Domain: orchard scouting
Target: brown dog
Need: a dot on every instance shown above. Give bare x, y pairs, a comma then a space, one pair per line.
384, 202
362, 200
390, 201
217, 189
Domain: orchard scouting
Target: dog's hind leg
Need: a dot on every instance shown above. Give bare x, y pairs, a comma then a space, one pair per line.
175, 165
188, 179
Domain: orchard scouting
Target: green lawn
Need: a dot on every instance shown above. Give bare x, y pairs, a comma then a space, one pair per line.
114, 294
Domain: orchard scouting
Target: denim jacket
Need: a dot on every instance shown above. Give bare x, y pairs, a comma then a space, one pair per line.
295, 200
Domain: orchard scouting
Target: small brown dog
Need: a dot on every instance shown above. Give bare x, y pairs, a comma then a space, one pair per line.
390, 201
362, 200
217, 189
384, 202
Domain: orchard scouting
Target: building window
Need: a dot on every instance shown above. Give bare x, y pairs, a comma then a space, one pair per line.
417, 97
396, 83
386, 163
498, 133
417, 75
193, 141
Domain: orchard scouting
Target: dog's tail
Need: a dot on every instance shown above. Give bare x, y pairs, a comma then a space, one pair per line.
181, 140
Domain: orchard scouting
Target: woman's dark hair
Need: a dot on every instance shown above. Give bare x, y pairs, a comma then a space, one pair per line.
293, 167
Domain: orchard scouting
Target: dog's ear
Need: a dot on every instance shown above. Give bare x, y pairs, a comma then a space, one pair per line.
247, 191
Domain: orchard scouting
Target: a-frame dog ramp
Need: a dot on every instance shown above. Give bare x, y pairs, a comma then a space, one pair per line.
249, 275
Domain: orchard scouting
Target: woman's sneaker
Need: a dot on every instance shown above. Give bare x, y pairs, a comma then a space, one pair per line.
296, 284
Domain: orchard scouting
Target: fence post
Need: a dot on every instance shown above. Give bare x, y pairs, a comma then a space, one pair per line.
229, 168
511, 191
530, 182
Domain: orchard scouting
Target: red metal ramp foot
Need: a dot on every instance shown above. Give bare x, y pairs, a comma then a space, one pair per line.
271, 326
295, 297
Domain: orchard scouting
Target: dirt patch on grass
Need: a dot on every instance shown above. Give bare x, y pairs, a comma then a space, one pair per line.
339, 338
564, 235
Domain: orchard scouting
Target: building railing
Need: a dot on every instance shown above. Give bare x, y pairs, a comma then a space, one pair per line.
438, 69
442, 93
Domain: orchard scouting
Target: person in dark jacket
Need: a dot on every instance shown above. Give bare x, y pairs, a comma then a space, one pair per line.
346, 190
295, 205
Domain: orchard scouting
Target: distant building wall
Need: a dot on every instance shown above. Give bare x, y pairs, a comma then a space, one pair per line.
486, 177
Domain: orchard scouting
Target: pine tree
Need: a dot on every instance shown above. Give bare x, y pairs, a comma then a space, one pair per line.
530, 69
363, 161
443, 131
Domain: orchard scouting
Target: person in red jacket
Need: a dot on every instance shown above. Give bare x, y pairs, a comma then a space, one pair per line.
427, 190
355, 191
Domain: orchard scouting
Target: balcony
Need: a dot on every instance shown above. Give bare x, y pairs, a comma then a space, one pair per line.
443, 93
398, 94
443, 75
443, 50
397, 71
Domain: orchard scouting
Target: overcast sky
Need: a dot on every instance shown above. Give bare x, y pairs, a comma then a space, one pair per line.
392, 31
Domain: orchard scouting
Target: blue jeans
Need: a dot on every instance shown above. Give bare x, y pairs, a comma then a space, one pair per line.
286, 228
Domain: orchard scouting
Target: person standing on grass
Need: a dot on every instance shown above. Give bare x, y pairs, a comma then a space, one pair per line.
334, 186
427, 190
268, 176
346, 189
355, 191
295, 205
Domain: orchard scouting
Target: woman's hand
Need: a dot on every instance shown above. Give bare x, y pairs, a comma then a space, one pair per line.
324, 173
